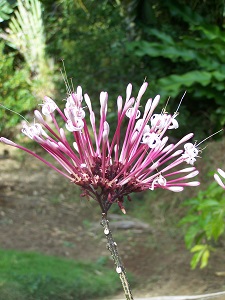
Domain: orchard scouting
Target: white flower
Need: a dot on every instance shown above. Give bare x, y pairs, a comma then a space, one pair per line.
160, 121
139, 125
174, 124
190, 152
76, 126
160, 180
33, 130
151, 139
130, 112
48, 106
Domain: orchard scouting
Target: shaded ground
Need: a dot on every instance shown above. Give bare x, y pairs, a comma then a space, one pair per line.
41, 211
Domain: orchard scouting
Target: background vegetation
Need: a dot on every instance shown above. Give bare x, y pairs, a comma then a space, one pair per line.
35, 276
177, 45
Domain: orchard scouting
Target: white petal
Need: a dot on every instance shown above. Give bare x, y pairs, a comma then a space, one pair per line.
128, 104
134, 136
193, 183
174, 124
142, 90
155, 102
88, 101
187, 170
221, 172
49, 106
119, 104
71, 127
103, 102
176, 153
38, 115
175, 189
75, 146
190, 160
7, 141
167, 148
128, 92
130, 113
105, 133
185, 138
79, 93
219, 181
191, 175
147, 107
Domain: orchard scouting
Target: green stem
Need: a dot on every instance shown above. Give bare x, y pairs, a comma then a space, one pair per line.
112, 247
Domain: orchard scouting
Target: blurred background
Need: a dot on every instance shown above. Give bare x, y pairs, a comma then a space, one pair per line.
176, 46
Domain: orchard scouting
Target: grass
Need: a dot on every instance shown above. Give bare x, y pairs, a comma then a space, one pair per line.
33, 276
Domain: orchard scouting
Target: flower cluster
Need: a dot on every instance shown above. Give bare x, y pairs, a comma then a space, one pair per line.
137, 157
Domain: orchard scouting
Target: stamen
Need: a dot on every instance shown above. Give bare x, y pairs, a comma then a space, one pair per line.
164, 109
176, 112
209, 137
65, 79
14, 112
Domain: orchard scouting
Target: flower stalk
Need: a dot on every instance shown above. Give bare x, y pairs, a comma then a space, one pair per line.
112, 247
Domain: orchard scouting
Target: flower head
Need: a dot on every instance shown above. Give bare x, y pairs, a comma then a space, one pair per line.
137, 158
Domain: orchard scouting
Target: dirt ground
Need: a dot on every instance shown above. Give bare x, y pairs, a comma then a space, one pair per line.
41, 211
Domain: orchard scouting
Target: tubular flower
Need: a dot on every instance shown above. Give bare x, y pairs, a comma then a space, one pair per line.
218, 179
137, 157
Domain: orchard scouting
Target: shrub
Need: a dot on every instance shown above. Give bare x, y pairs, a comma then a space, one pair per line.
15, 91
205, 223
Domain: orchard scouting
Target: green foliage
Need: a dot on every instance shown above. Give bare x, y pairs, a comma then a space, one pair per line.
26, 34
205, 223
15, 92
107, 44
201, 255
5, 10
91, 37
26, 276
186, 55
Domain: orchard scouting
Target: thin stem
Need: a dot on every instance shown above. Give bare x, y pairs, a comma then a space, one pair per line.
112, 247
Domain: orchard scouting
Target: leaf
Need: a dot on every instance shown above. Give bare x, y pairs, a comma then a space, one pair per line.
212, 32
191, 234
161, 35
173, 83
205, 259
188, 219
218, 75
26, 34
215, 228
208, 203
191, 202
197, 248
152, 49
202, 254
5, 10
195, 259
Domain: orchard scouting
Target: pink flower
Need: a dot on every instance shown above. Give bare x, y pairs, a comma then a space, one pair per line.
218, 179
137, 157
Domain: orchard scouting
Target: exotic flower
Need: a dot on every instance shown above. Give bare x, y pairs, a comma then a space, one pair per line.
218, 179
48, 106
137, 158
